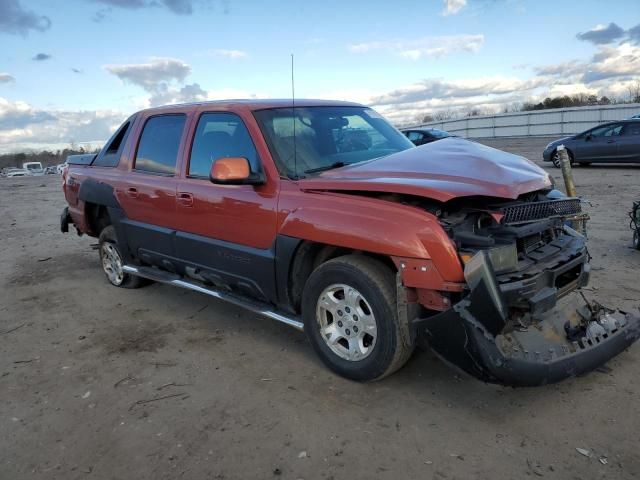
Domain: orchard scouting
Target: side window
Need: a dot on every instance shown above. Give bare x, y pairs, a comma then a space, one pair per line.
631, 128
158, 147
110, 154
607, 131
414, 136
220, 135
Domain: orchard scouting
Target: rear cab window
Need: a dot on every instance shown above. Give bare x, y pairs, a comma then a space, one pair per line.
110, 154
220, 135
159, 144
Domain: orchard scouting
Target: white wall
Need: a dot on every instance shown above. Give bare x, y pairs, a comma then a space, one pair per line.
557, 121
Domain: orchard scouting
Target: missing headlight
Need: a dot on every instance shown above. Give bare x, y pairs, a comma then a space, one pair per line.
503, 258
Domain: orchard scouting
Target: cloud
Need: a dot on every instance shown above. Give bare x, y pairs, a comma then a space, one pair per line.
232, 54
634, 34
152, 75
179, 7
423, 47
451, 7
22, 126
444, 91
6, 78
163, 79
41, 57
602, 34
610, 71
570, 67
19, 115
188, 93
195, 93
622, 61
15, 20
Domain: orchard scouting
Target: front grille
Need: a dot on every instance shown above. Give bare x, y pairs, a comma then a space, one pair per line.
529, 212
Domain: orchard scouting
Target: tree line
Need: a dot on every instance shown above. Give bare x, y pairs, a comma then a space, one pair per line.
46, 157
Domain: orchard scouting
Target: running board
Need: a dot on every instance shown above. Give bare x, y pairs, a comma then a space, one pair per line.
177, 281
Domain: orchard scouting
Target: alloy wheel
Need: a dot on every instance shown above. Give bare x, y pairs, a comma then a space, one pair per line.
112, 263
346, 321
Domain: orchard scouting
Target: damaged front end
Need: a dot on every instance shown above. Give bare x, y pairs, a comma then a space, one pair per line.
522, 320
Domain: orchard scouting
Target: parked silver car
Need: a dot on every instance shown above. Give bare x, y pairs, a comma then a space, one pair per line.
615, 142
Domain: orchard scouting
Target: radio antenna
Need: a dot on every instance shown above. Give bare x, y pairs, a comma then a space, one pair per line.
293, 117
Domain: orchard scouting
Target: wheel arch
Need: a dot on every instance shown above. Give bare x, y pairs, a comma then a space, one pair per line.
572, 156
309, 255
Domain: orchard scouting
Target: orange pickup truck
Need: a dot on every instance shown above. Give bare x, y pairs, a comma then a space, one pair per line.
325, 217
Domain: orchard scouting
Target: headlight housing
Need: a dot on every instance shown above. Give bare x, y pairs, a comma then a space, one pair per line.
503, 258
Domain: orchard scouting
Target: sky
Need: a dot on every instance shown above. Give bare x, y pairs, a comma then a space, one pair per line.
73, 70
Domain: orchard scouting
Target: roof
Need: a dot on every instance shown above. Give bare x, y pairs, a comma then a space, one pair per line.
262, 103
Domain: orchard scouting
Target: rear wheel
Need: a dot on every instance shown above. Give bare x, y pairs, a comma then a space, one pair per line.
555, 158
112, 261
350, 317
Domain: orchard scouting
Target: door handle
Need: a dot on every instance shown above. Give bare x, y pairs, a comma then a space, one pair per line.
132, 192
185, 199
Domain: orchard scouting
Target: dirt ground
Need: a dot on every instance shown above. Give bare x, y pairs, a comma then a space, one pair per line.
161, 383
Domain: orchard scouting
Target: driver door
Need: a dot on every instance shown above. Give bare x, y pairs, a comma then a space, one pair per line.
599, 144
226, 231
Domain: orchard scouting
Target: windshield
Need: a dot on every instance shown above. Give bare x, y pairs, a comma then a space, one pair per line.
327, 137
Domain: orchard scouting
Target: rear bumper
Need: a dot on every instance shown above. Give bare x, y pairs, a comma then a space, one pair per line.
567, 341
546, 155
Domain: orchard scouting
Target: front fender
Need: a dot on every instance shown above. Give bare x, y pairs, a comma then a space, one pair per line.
371, 225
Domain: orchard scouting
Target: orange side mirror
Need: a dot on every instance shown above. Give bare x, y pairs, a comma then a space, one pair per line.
231, 170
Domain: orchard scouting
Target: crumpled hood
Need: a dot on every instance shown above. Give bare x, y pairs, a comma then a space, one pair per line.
442, 170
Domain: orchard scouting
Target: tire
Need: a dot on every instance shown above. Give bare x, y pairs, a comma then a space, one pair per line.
112, 261
636, 239
555, 158
341, 300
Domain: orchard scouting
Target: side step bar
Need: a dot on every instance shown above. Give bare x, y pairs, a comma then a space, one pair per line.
177, 281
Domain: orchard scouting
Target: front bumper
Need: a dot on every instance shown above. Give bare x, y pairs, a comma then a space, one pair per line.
567, 341
546, 155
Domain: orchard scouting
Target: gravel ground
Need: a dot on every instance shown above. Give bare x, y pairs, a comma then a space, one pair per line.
100, 382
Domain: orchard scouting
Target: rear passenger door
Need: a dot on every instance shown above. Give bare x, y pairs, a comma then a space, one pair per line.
629, 142
149, 191
226, 232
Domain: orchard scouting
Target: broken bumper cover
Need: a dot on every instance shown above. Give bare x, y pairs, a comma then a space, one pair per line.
567, 341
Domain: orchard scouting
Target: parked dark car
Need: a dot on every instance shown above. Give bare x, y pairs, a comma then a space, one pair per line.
615, 142
420, 136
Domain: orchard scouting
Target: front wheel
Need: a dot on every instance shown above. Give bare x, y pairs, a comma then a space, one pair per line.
555, 158
636, 239
112, 261
350, 318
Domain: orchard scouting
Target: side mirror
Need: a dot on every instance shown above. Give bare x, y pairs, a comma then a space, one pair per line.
234, 171
588, 137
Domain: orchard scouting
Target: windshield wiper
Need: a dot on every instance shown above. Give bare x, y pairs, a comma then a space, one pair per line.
326, 167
